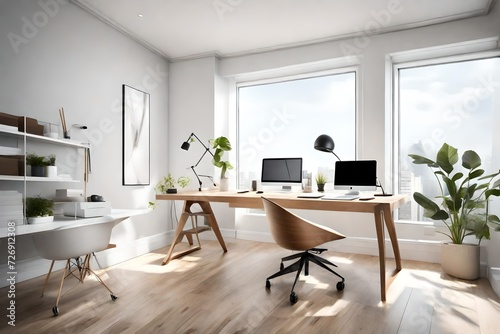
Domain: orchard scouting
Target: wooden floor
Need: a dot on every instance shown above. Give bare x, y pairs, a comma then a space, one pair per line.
212, 292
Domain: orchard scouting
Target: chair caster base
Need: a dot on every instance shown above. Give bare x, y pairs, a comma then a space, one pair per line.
113, 297
340, 286
268, 284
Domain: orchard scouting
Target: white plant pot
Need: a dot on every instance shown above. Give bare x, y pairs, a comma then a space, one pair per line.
460, 261
51, 171
224, 185
40, 220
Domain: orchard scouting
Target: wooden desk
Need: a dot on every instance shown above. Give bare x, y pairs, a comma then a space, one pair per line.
382, 209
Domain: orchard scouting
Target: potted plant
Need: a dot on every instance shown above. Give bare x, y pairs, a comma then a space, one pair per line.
50, 166
221, 144
321, 181
463, 207
168, 184
37, 164
39, 210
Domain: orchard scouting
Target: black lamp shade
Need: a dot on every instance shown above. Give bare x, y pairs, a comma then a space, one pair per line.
185, 146
324, 143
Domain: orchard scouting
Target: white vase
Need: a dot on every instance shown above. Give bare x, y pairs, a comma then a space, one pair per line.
40, 220
224, 185
460, 261
51, 171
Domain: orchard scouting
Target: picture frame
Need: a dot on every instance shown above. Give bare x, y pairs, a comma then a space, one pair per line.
136, 137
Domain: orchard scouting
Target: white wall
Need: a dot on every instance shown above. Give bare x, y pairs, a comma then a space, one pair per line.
371, 54
68, 58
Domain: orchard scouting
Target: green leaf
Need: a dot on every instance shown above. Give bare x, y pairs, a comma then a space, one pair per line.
471, 160
447, 156
431, 209
420, 160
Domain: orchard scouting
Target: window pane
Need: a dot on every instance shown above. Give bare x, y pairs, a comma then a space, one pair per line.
282, 119
447, 103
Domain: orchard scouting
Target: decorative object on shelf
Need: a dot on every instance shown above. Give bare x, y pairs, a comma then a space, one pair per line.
136, 152
464, 207
185, 146
325, 143
37, 164
50, 166
168, 184
39, 210
63, 124
321, 181
221, 144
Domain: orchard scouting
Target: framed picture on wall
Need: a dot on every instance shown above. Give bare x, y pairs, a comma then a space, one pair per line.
136, 141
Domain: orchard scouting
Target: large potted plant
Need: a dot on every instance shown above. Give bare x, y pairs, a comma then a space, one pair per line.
221, 144
463, 206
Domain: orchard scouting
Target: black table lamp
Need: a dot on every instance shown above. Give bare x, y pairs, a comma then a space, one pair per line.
185, 146
324, 143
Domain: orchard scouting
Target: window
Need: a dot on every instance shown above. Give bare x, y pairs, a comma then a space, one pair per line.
453, 102
282, 118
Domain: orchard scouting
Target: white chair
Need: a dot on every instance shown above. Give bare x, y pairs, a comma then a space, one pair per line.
73, 243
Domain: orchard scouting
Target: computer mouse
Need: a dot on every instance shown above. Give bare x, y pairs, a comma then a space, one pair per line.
259, 192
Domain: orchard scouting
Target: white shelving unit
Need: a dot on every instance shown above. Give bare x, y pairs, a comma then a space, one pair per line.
26, 142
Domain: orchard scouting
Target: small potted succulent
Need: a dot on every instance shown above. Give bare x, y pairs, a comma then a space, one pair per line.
321, 181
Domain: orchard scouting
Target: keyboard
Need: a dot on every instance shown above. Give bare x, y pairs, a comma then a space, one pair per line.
340, 197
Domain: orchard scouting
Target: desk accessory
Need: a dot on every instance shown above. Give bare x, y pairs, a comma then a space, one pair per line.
325, 143
185, 146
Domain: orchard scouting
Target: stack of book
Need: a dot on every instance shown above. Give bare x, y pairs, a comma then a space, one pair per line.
11, 207
69, 195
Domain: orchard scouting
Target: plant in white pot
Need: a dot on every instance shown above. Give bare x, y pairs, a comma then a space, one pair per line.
221, 144
463, 207
39, 210
50, 166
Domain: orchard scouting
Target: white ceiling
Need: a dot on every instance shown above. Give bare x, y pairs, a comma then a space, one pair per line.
179, 29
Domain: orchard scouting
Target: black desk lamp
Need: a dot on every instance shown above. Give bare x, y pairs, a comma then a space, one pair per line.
185, 146
324, 143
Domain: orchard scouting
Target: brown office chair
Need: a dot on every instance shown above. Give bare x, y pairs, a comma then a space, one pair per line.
297, 234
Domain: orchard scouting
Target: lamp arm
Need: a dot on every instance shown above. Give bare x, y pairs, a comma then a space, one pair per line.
197, 177
336, 156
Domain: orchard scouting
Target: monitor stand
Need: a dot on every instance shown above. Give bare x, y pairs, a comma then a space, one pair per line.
352, 192
286, 189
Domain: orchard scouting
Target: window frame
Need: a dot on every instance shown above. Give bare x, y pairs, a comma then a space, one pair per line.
420, 61
265, 78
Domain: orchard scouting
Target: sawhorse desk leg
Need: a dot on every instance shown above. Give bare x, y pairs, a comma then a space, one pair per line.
384, 213
180, 232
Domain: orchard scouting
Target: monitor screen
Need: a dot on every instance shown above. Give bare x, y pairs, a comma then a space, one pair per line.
281, 170
358, 175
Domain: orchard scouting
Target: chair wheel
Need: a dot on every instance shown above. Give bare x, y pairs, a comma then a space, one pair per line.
282, 266
55, 310
268, 284
340, 286
113, 297
293, 298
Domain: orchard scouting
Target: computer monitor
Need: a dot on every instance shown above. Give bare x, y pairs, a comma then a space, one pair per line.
355, 176
284, 172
